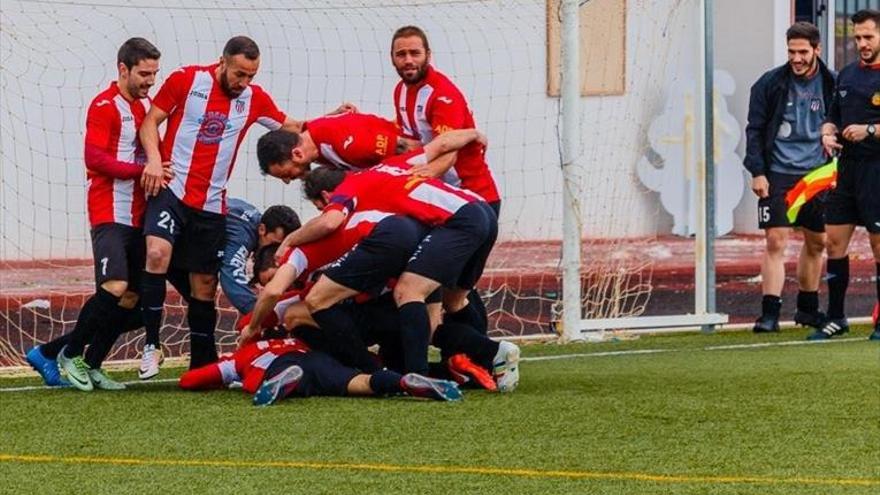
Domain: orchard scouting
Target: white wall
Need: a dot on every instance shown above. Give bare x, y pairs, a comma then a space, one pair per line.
56, 57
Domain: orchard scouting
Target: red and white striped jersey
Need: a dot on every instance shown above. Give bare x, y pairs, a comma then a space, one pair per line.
112, 124
205, 129
389, 187
434, 106
352, 141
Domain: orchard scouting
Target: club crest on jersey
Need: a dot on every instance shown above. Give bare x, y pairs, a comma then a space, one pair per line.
815, 104
239, 105
875, 99
212, 126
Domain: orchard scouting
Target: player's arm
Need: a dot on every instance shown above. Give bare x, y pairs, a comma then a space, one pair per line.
440, 153
285, 276
831, 127
317, 228
152, 178
234, 281
292, 125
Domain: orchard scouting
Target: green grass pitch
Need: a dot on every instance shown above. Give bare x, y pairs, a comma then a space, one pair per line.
681, 416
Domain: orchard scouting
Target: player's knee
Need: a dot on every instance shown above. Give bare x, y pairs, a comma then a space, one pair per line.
814, 245
158, 259
115, 287
836, 246
204, 286
129, 300
776, 240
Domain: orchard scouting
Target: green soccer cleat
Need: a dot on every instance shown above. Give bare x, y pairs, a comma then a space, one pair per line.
77, 371
102, 381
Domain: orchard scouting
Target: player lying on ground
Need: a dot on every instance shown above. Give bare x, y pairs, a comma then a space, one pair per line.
275, 369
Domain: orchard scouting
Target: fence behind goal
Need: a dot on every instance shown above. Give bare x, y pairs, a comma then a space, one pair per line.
56, 55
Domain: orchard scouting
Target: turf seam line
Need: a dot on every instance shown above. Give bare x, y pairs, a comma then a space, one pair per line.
45, 387
440, 469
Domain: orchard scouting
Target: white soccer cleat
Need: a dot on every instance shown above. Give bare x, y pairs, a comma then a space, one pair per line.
505, 367
151, 359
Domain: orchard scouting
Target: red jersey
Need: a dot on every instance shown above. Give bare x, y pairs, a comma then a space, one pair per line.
388, 187
205, 129
434, 106
352, 141
112, 125
317, 254
247, 365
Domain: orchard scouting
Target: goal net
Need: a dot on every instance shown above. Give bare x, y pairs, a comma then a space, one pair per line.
641, 55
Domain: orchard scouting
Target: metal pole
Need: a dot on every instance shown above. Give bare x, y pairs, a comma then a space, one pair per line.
709, 126
571, 231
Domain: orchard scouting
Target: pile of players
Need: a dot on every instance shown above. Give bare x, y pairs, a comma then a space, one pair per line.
409, 215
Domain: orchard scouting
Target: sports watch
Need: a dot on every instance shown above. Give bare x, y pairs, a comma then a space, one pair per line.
872, 131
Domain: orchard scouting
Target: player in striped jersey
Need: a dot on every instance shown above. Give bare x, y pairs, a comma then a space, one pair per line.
114, 162
350, 141
208, 109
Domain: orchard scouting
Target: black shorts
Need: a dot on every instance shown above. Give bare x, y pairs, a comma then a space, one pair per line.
856, 199
455, 253
378, 257
772, 209
119, 252
198, 237
322, 375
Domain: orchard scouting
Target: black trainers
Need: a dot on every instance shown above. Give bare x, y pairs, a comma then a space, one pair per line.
815, 319
766, 324
832, 328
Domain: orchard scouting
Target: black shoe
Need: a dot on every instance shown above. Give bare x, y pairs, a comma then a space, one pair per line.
832, 328
766, 324
815, 319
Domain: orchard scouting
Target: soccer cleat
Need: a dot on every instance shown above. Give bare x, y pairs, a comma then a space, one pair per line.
875, 335
430, 388
505, 366
815, 319
278, 387
463, 370
47, 368
766, 324
832, 328
77, 371
151, 359
102, 381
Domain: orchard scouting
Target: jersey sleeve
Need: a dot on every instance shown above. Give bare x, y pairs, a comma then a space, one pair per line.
448, 111
173, 91
100, 121
344, 198
267, 113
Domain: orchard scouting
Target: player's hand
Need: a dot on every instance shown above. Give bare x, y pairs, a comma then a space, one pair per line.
830, 144
345, 108
761, 186
152, 177
168, 174
482, 139
855, 133
248, 334
422, 170
281, 251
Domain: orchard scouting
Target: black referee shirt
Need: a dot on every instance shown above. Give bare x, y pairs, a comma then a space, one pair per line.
857, 101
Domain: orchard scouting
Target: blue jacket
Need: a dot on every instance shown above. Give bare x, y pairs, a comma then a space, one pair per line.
242, 221
766, 108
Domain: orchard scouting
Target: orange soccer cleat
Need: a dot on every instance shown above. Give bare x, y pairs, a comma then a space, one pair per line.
462, 368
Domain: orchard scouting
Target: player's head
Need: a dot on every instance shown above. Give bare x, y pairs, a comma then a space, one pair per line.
264, 264
138, 63
275, 153
319, 185
804, 47
277, 221
410, 53
866, 32
238, 65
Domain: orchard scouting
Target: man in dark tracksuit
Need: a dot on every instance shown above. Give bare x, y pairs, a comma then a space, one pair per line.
853, 129
786, 111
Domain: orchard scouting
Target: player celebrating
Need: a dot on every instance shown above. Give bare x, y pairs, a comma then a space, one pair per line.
114, 162
349, 141
209, 109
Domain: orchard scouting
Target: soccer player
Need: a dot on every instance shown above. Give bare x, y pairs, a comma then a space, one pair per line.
453, 255
114, 163
208, 109
853, 129
350, 141
278, 368
786, 110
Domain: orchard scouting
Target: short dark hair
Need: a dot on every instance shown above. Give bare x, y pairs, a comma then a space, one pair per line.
134, 50
280, 216
274, 147
320, 180
867, 15
802, 30
407, 31
264, 258
242, 45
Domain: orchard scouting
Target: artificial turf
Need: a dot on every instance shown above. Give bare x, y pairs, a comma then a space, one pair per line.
689, 418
